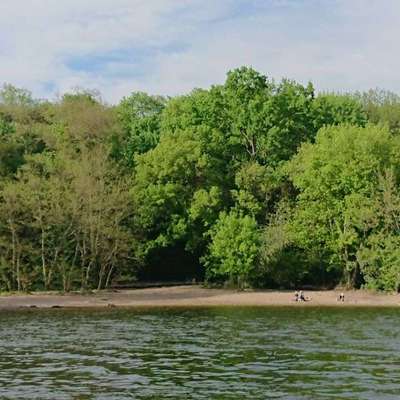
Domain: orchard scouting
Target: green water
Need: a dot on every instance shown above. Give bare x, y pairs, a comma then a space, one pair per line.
220, 353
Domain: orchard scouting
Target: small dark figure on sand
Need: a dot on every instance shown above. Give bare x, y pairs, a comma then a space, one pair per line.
299, 296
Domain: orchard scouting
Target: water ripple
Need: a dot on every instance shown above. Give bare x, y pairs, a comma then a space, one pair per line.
261, 353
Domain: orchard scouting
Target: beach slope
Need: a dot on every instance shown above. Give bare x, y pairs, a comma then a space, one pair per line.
194, 296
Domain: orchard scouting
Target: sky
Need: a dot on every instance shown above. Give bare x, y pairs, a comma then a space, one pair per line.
172, 46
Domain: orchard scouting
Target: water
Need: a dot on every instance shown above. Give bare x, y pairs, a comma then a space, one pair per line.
220, 353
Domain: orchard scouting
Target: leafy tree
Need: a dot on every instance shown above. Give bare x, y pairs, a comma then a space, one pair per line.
140, 119
17, 256
171, 189
13, 96
64, 222
253, 186
336, 178
379, 257
248, 118
335, 109
233, 251
7, 126
265, 182
241, 133
11, 152
381, 107
82, 117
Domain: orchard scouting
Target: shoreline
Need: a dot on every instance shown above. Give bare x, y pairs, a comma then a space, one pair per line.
195, 296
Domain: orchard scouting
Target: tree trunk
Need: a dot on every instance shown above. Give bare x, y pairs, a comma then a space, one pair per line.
44, 269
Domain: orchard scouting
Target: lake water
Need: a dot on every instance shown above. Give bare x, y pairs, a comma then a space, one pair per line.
218, 353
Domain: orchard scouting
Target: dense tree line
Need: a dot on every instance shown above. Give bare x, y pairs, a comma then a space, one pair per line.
264, 183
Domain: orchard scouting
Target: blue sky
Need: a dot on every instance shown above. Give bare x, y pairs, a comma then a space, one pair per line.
171, 46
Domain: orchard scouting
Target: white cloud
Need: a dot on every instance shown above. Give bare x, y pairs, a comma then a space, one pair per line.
169, 46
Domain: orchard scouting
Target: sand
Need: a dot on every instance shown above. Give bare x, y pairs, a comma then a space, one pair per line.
194, 296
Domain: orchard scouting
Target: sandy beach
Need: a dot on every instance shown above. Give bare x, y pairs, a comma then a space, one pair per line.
194, 296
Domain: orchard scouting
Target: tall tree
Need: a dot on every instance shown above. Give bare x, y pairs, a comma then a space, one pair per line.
140, 117
336, 178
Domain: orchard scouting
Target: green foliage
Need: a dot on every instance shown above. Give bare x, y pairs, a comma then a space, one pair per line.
171, 189
233, 251
7, 126
226, 146
11, 152
80, 117
64, 207
140, 118
249, 117
253, 184
334, 109
337, 177
381, 107
81, 95
380, 261
379, 257
263, 182
62, 222
13, 96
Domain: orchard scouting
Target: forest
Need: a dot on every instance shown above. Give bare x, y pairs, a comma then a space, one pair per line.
251, 183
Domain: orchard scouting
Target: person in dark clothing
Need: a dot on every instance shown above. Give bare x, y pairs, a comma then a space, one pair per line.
302, 297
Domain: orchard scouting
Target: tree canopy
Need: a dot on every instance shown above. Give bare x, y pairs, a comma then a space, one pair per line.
261, 182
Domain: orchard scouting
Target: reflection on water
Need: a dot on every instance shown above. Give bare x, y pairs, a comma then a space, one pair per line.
220, 353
